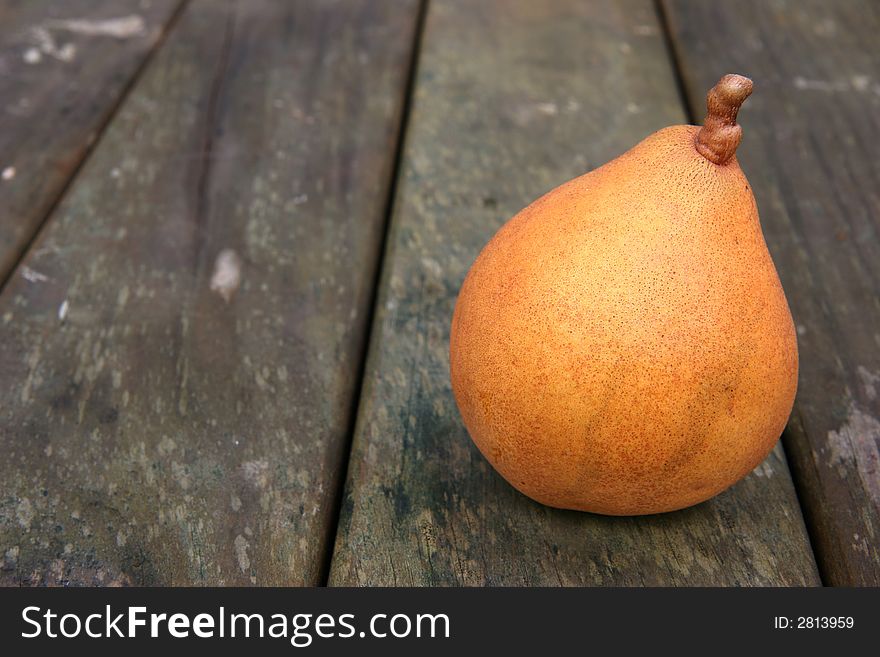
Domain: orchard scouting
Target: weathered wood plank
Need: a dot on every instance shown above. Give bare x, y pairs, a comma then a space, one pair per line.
811, 131
158, 425
64, 67
513, 98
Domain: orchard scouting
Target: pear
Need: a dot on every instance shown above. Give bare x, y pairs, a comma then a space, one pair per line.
623, 345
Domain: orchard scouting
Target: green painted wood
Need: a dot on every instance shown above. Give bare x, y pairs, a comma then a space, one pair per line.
180, 348
809, 148
64, 68
512, 99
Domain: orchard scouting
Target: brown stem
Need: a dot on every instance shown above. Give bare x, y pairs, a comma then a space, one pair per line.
720, 135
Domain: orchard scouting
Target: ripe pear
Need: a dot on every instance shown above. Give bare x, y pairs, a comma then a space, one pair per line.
623, 345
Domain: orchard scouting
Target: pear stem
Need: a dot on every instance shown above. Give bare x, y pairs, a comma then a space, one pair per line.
719, 137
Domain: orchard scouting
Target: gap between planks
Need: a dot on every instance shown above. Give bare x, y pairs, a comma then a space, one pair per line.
408, 89
164, 30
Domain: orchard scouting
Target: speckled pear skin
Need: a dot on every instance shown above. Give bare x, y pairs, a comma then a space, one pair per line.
623, 345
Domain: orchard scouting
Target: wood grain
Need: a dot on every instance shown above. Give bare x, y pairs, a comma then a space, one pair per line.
513, 98
64, 67
180, 348
810, 135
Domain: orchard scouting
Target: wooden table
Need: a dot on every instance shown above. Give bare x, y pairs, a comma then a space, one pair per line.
231, 237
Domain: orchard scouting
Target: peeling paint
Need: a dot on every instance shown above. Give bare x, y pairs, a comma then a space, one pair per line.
855, 446
32, 56
45, 43
256, 472
33, 276
227, 274
765, 469
123, 27
47, 46
860, 83
241, 546
870, 382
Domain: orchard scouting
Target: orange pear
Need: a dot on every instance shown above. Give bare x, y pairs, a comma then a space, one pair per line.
623, 345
